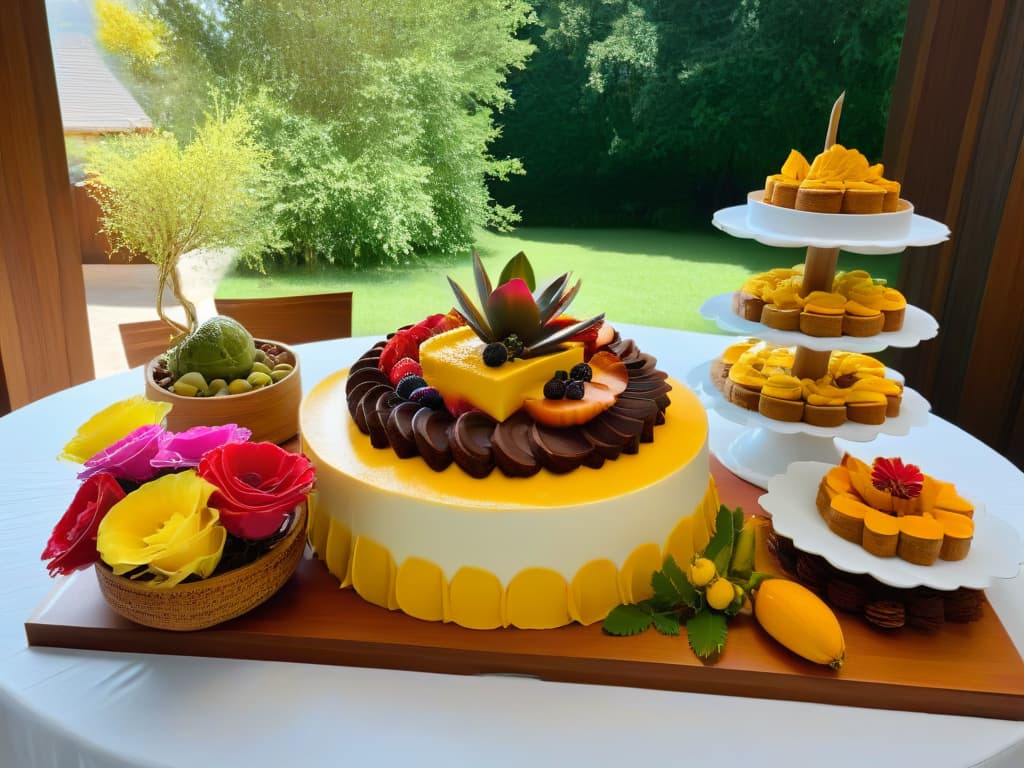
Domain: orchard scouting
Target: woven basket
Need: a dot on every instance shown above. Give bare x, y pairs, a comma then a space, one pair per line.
272, 413
201, 604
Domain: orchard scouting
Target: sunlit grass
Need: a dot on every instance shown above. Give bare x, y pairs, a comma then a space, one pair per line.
634, 276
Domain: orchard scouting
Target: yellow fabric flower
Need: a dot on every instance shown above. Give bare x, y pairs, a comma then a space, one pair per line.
166, 526
110, 425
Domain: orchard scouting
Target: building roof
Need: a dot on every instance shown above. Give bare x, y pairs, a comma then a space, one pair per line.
92, 99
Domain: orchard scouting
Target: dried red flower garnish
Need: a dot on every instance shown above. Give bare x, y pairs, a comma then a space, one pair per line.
904, 481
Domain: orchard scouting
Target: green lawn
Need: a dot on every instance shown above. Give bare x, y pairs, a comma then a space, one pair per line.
635, 276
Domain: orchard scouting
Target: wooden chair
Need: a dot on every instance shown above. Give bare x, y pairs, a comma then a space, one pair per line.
144, 340
293, 319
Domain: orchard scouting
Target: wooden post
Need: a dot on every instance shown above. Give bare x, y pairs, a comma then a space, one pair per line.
44, 330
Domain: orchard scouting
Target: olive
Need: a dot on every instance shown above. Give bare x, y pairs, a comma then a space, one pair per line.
259, 379
239, 386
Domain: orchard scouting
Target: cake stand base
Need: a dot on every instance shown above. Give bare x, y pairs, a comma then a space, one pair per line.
757, 455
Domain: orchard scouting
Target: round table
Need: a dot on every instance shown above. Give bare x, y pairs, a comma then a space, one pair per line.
68, 707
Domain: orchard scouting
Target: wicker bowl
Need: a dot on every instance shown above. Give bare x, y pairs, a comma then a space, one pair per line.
202, 604
272, 413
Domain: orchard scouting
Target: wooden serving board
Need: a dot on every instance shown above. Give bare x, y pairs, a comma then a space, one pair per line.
962, 669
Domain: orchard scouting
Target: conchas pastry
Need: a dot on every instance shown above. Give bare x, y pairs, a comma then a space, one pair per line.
758, 376
892, 509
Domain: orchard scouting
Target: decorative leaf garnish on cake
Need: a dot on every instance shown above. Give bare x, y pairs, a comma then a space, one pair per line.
519, 266
681, 598
904, 481
513, 309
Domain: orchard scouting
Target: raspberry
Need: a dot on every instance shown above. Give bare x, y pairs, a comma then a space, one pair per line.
427, 397
581, 372
408, 384
403, 368
554, 389
574, 390
495, 354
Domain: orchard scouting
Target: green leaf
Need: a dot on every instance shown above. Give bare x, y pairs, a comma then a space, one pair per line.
548, 295
719, 549
548, 343
755, 580
625, 620
483, 282
743, 553
737, 520
518, 266
707, 632
666, 595
667, 623
562, 302
472, 315
682, 585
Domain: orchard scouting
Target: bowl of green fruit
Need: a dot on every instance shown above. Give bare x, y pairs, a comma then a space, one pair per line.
219, 374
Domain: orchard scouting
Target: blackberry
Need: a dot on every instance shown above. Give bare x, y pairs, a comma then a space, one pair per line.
409, 383
562, 375
514, 346
495, 354
427, 397
554, 389
574, 390
581, 372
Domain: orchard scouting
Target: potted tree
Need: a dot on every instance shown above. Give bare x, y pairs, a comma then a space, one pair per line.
160, 200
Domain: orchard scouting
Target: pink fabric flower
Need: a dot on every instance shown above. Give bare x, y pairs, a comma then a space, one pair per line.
258, 485
129, 458
72, 544
183, 450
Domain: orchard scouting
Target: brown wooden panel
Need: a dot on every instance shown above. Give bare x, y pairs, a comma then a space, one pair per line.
956, 126
995, 370
44, 333
967, 669
293, 319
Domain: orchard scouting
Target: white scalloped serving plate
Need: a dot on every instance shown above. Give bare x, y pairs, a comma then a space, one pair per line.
918, 326
996, 551
868, 234
914, 411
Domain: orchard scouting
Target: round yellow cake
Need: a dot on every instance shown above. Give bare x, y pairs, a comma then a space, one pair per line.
530, 552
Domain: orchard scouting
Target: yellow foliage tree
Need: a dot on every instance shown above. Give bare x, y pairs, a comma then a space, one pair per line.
124, 32
160, 200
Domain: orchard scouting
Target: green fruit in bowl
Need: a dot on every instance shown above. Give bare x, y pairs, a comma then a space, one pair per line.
219, 348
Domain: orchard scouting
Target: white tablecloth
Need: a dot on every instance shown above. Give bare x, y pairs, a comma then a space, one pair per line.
77, 708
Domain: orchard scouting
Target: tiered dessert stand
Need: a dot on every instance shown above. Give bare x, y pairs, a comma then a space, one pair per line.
765, 447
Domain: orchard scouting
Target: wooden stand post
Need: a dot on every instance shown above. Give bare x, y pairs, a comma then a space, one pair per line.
819, 269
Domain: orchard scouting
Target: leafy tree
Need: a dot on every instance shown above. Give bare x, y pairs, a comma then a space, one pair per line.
137, 38
379, 116
161, 200
677, 107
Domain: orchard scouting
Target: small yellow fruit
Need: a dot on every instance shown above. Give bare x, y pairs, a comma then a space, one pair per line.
798, 619
720, 594
702, 572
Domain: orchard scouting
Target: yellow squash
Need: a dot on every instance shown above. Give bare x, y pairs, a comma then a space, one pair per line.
801, 621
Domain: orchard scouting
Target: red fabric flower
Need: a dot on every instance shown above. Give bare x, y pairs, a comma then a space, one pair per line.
904, 481
258, 484
72, 544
